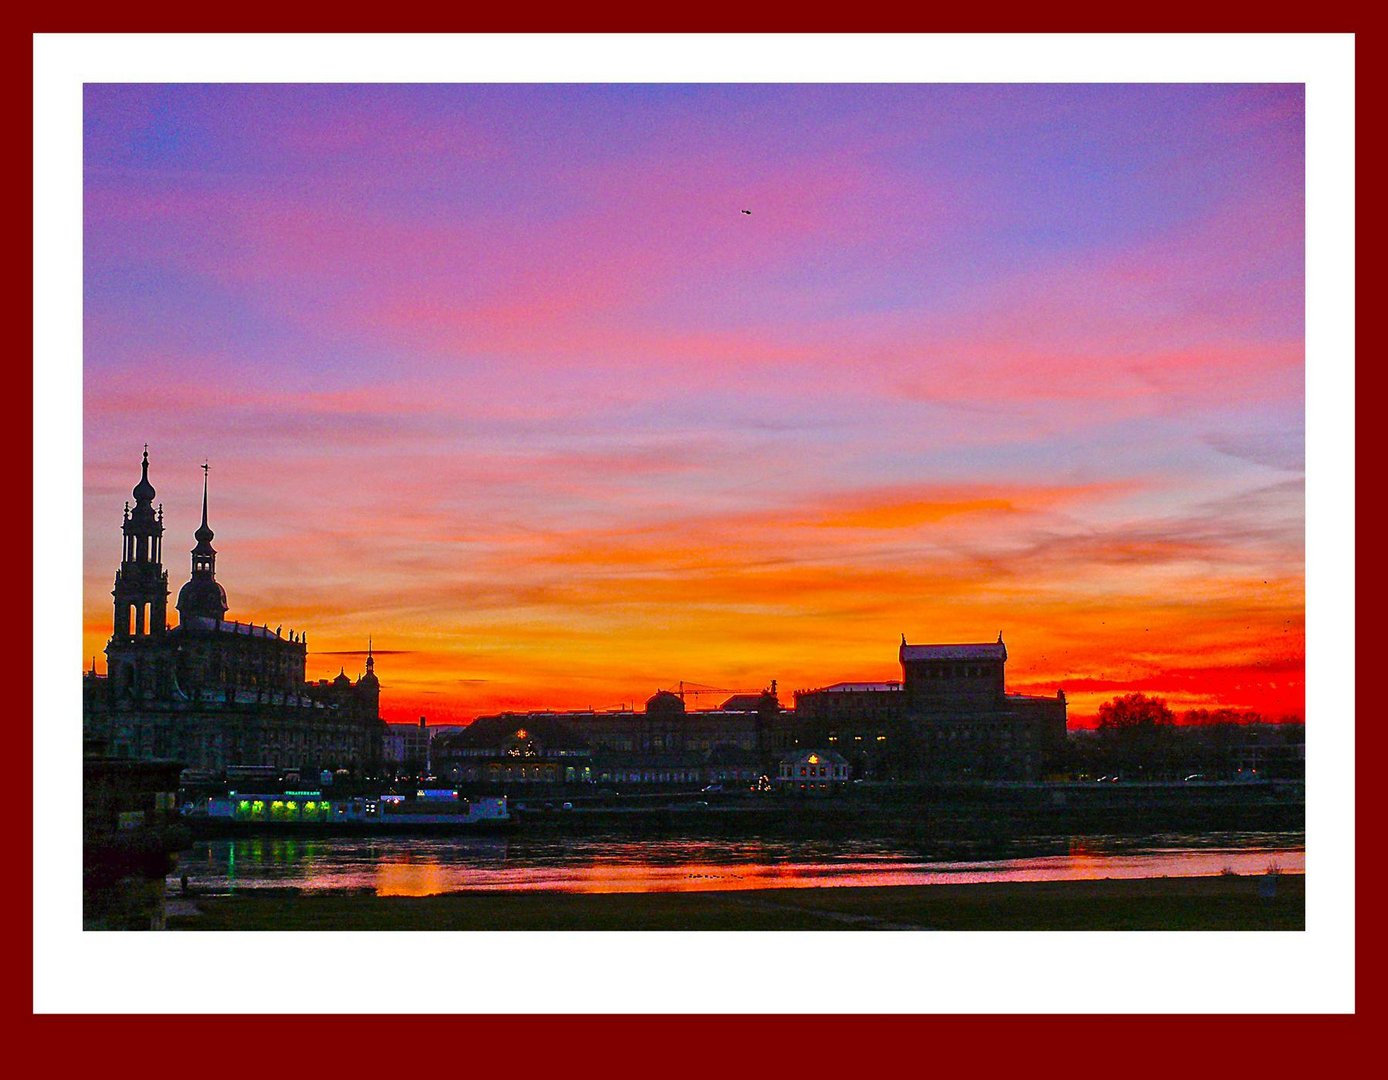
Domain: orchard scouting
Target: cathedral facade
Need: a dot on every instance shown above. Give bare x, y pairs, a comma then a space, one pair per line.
212, 692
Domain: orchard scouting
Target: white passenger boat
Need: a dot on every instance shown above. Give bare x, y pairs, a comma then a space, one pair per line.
429, 810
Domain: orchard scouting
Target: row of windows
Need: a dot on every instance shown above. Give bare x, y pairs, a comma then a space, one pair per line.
570, 774
839, 772
982, 735
651, 776
143, 548
955, 671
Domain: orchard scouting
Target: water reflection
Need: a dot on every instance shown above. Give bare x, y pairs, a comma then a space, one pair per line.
421, 866
410, 877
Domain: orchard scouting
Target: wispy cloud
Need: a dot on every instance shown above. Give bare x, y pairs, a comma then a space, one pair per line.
504, 377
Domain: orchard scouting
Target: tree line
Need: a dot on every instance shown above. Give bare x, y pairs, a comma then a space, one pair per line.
1141, 738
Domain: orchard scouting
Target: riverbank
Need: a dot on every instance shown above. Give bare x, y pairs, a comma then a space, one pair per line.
982, 817
979, 814
1223, 902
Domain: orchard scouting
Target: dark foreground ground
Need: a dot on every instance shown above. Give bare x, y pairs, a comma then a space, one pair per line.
1204, 903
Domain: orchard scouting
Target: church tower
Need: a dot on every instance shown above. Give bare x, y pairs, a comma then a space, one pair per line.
142, 586
202, 596
134, 655
368, 686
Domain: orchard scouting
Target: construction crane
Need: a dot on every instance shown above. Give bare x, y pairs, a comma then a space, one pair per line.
695, 689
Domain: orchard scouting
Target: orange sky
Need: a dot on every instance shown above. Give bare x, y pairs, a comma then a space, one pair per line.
504, 378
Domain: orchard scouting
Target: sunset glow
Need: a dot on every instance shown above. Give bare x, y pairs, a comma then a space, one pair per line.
503, 377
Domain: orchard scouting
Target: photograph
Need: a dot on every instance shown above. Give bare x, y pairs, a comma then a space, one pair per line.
693, 506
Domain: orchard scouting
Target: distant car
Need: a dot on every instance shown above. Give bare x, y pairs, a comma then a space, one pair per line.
713, 787
1195, 776
567, 806
701, 803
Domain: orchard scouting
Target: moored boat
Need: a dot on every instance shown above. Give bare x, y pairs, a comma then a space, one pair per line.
431, 810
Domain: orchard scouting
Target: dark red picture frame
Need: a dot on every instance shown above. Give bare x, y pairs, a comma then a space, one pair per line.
683, 1045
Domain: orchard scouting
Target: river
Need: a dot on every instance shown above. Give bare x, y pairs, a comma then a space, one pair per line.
424, 866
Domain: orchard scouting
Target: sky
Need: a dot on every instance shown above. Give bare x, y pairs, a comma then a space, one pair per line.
504, 377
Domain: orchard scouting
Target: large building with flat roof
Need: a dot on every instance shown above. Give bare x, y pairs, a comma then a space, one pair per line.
661, 744
950, 717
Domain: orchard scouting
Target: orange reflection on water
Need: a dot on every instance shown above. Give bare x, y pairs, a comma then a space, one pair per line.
649, 868
609, 877
411, 878
1084, 862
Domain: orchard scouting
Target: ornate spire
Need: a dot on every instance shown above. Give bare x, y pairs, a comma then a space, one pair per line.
140, 592
370, 677
204, 534
144, 490
202, 596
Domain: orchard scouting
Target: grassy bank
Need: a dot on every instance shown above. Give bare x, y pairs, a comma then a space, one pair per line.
1206, 903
